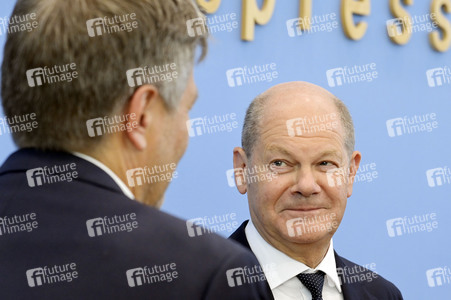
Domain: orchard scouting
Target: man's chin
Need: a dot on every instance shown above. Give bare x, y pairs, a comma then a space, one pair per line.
290, 214
309, 238
309, 229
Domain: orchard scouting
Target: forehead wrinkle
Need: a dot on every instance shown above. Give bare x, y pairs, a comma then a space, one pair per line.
276, 147
273, 117
266, 130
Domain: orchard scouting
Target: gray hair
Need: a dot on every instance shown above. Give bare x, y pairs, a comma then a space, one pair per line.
101, 88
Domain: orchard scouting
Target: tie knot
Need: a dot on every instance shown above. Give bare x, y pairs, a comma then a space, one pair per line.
314, 283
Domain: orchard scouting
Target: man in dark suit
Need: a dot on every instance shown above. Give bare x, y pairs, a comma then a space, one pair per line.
297, 164
106, 87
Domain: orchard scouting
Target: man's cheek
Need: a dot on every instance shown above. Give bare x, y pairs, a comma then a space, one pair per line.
259, 195
270, 176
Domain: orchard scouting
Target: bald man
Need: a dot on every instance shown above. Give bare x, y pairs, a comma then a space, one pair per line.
296, 164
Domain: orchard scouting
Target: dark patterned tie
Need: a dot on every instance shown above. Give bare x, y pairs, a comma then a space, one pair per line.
314, 283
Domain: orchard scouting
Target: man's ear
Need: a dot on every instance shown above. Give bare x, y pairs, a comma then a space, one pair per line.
140, 108
353, 167
239, 164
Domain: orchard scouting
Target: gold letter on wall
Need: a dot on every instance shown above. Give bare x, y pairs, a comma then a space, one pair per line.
348, 9
210, 6
253, 15
443, 44
305, 13
402, 20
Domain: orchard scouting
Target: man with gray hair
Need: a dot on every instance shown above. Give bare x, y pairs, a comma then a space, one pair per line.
107, 85
297, 164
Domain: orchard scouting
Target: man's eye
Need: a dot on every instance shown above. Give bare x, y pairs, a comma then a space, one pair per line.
280, 166
278, 163
327, 164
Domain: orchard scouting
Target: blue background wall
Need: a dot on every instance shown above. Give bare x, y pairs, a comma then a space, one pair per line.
400, 187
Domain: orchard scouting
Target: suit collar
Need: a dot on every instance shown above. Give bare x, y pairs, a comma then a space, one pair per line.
240, 235
30, 158
350, 292
124, 188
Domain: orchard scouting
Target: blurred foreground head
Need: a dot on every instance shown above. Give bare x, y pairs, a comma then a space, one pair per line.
93, 64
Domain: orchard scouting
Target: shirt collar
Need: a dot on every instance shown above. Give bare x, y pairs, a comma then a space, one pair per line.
107, 170
283, 267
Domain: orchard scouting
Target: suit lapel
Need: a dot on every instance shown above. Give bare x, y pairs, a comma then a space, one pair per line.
240, 235
350, 292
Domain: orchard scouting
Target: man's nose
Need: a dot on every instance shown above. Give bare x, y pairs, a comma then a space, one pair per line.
305, 182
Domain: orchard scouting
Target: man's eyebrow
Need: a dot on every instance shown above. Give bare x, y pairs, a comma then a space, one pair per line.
329, 153
276, 148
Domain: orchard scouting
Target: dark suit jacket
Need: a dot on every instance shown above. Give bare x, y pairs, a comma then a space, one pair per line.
354, 286
64, 212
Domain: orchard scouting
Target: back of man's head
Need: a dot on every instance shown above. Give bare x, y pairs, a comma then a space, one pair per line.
99, 41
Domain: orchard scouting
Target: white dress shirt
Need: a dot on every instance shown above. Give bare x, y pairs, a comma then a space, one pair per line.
124, 188
281, 270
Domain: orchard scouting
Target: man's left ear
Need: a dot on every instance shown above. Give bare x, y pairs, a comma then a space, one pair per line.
353, 167
141, 104
239, 164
